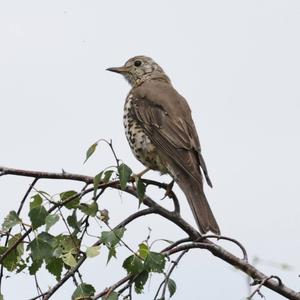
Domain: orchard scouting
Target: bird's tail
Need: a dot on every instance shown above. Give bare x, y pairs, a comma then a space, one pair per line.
199, 205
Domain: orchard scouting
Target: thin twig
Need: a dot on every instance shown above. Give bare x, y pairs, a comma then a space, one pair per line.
123, 242
106, 292
221, 237
37, 297
109, 143
164, 283
185, 240
262, 282
83, 258
175, 263
18, 213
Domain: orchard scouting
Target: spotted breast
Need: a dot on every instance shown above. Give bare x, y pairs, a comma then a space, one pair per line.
141, 146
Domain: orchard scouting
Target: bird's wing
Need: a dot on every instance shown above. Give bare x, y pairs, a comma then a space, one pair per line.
171, 134
166, 119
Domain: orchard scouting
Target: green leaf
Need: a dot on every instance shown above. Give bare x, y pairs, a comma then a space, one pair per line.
90, 151
69, 259
73, 222
11, 220
38, 216
55, 266
51, 220
143, 250
21, 266
141, 188
69, 244
89, 209
155, 262
111, 253
35, 266
171, 287
1, 297
103, 179
83, 291
112, 238
112, 296
140, 281
96, 180
36, 201
133, 264
65, 196
42, 246
124, 175
92, 251
13, 259
107, 175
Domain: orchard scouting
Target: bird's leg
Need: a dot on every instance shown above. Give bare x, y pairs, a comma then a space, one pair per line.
139, 175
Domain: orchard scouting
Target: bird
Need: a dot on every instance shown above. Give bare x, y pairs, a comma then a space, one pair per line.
162, 134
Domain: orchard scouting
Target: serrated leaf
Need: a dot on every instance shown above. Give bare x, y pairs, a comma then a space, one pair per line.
38, 216
139, 281
111, 253
69, 244
141, 188
51, 220
133, 264
65, 196
155, 262
171, 287
112, 238
36, 201
12, 260
41, 247
55, 266
112, 296
93, 251
11, 220
73, 222
83, 291
35, 266
89, 209
21, 266
143, 250
90, 151
124, 175
69, 259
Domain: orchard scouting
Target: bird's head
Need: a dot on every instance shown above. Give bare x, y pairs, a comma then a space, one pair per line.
139, 69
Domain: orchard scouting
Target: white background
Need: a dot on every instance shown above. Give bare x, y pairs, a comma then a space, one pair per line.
238, 65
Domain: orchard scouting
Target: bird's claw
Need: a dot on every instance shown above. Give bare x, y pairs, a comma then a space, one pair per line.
169, 190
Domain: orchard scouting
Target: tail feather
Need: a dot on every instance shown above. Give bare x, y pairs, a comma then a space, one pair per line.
199, 205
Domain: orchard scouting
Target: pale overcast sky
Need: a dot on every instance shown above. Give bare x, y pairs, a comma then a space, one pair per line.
238, 65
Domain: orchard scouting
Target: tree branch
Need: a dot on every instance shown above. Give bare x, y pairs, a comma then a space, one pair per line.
173, 217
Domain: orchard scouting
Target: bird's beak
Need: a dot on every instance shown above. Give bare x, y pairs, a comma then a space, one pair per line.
120, 70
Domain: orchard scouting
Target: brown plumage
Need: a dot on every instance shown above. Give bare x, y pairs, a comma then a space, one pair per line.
162, 135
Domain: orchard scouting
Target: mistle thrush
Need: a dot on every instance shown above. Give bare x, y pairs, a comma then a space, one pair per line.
162, 135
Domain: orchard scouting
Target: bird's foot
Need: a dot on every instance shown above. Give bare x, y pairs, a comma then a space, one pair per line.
136, 177
169, 190
139, 175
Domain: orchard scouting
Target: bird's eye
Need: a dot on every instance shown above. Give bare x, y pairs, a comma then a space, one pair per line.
137, 63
